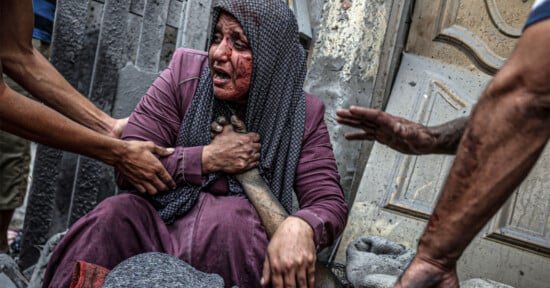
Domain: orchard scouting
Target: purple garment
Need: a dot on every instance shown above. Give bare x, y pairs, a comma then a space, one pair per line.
220, 234
126, 225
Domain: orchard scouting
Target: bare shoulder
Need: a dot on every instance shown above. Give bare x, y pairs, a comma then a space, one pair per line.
16, 24
529, 64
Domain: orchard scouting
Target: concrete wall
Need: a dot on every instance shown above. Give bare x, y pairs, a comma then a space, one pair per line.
343, 69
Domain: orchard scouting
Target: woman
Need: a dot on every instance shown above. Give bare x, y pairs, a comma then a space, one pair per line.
255, 68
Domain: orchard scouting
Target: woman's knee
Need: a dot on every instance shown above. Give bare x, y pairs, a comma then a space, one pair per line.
122, 205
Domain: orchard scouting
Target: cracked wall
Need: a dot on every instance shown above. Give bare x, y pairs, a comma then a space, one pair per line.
343, 68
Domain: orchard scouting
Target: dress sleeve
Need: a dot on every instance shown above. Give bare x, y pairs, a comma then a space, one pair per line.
159, 114
317, 183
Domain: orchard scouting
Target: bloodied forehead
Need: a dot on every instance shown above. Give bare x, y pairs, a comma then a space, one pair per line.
229, 24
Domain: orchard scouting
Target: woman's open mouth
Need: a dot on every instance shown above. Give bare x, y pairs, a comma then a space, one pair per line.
220, 77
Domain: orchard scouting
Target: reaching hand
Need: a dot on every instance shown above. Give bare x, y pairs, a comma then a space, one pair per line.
231, 150
290, 258
396, 132
138, 164
423, 273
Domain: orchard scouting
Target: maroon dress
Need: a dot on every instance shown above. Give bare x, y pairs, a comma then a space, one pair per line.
221, 234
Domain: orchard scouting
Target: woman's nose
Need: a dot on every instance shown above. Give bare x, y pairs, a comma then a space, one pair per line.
223, 51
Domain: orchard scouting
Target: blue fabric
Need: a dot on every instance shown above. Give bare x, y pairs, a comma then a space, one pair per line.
44, 12
540, 12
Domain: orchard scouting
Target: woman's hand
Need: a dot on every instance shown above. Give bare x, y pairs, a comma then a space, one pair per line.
398, 133
290, 258
230, 151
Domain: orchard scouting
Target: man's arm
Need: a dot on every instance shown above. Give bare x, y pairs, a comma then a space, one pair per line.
24, 64
29, 119
401, 134
34, 72
503, 140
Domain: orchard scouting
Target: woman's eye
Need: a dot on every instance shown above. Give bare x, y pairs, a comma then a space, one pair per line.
217, 38
240, 45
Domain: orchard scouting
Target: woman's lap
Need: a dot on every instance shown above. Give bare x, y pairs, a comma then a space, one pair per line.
228, 239
220, 235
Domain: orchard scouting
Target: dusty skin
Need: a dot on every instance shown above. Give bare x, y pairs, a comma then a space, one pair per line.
274, 217
511, 118
401, 134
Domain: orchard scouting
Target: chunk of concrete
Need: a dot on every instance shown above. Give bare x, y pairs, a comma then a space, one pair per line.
376, 255
377, 281
482, 283
159, 270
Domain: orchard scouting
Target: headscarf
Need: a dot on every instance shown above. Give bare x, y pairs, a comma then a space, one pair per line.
275, 109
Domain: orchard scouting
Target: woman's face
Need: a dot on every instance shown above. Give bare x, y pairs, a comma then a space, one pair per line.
230, 60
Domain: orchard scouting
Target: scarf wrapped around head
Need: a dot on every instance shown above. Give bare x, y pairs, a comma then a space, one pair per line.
275, 109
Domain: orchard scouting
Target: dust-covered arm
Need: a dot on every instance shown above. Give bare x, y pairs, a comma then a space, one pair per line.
401, 134
511, 118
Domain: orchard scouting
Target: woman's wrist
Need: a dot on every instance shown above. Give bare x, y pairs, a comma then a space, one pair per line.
208, 163
304, 226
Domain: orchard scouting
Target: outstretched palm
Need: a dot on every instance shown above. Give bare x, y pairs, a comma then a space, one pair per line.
398, 133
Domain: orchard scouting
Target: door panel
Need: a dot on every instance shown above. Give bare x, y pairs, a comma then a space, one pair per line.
525, 219
467, 32
431, 99
453, 50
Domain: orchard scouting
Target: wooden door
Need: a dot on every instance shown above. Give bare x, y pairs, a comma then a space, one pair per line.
453, 49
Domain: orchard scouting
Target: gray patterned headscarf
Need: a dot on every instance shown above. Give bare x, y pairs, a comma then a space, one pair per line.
275, 110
